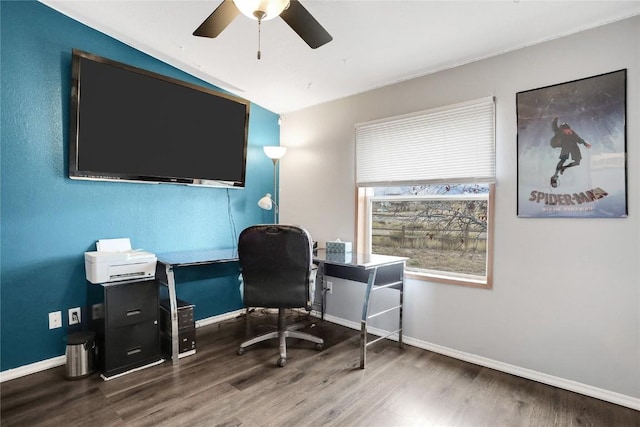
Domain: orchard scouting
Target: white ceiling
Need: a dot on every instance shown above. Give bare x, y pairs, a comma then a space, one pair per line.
375, 43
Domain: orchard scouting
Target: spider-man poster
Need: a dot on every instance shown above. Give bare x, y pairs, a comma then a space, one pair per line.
572, 149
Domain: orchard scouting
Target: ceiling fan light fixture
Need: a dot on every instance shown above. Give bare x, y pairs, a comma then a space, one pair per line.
261, 10
293, 13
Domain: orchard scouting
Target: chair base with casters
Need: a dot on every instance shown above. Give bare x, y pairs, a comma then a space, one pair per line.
283, 332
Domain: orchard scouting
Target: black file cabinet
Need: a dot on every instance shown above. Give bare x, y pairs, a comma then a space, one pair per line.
124, 317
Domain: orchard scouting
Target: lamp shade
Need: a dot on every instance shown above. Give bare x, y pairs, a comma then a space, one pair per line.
261, 9
266, 202
275, 152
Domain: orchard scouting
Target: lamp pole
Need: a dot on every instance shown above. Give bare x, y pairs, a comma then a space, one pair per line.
276, 218
275, 153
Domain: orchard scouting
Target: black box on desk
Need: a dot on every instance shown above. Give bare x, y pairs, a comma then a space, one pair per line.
186, 328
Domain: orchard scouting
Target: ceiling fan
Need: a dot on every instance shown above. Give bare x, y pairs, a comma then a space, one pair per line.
291, 11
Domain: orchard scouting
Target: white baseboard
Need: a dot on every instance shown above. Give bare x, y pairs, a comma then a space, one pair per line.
43, 365
574, 386
220, 318
585, 389
22, 371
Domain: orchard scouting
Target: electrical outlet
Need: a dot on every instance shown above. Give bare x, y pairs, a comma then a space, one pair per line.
55, 319
74, 316
329, 287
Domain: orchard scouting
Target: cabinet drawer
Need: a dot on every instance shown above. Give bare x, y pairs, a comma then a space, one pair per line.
131, 303
131, 347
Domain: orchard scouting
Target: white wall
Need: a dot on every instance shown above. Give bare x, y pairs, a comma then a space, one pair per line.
566, 296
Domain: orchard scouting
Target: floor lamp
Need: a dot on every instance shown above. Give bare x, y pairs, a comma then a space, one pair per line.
275, 153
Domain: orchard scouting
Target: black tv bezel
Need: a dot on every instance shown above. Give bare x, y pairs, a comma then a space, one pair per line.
78, 174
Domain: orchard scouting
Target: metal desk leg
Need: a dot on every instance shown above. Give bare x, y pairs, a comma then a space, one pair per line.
399, 285
365, 314
401, 328
323, 288
173, 305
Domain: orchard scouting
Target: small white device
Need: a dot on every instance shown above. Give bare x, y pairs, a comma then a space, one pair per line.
115, 261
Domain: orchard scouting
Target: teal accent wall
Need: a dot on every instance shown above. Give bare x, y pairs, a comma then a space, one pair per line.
49, 221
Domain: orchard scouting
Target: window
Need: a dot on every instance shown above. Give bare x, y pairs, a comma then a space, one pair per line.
425, 184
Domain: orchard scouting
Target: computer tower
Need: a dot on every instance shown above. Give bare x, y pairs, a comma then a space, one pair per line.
186, 329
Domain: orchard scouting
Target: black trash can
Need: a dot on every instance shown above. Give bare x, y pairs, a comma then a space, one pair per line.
80, 355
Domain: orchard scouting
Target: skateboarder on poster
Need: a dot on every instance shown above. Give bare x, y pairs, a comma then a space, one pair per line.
567, 140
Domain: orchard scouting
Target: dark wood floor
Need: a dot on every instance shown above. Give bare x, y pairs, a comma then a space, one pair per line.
216, 387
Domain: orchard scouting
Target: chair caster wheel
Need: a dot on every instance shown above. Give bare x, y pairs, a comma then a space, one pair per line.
240, 351
281, 362
319, 347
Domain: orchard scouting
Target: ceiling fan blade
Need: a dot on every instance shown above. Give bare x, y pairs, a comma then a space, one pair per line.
218, 20
305, 25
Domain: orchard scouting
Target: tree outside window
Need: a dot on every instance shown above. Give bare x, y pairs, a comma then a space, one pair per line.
444, 230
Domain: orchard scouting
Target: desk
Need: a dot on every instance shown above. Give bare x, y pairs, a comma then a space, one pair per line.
377, 271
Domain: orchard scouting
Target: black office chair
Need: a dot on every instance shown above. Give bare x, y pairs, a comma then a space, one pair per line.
278, 272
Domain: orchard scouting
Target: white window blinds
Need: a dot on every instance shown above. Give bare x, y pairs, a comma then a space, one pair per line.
453, 144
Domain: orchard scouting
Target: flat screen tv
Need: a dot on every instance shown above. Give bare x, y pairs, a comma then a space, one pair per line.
128, 124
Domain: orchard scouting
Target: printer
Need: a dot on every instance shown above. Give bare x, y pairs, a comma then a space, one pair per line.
115, 261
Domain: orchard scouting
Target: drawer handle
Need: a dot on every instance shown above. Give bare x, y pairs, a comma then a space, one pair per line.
134, 312
134, 351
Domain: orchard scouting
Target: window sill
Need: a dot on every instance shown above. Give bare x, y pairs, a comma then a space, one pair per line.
450, 279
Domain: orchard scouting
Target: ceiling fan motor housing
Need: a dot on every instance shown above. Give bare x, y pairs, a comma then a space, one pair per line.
261, 10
